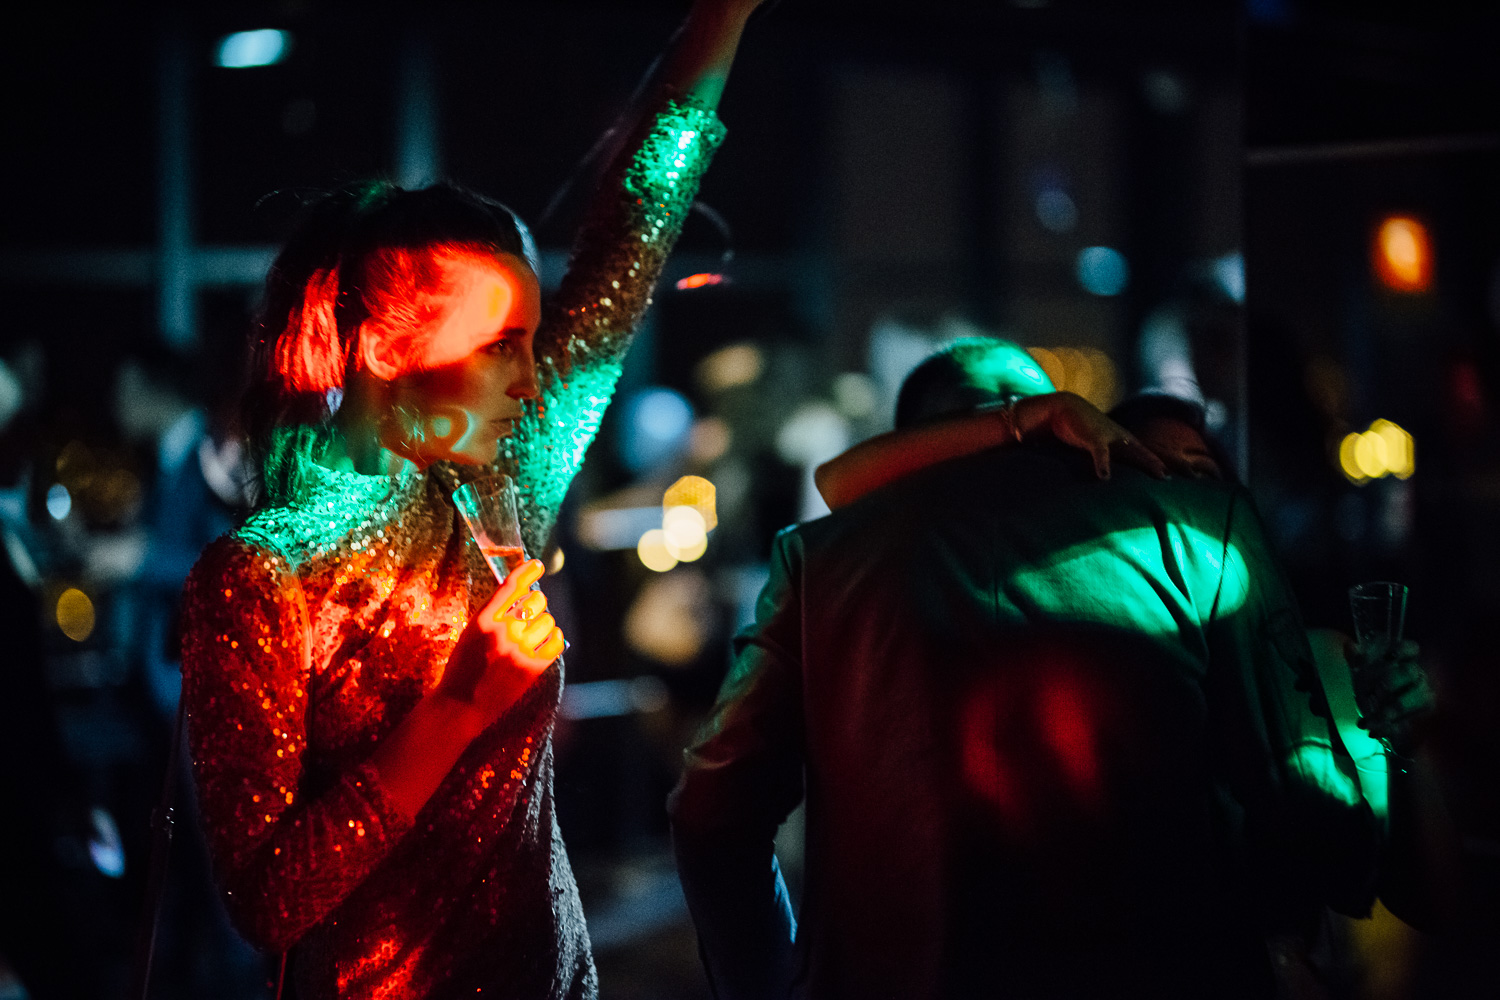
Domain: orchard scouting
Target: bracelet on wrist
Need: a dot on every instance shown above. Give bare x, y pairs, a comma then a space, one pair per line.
1005, 409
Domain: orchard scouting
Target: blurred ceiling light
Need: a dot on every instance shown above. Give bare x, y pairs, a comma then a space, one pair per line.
699, 280
737, 364
653, 552
1403, 254
1102, 270
556, 562
1385, 449
695, 492
244, 49
75, 614
1056, 211
59, 501
855, 395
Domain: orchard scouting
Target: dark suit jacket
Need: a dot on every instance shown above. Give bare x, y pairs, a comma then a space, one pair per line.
1055, 736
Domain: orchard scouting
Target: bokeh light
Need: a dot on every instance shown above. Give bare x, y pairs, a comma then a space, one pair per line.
1102, 270
737, 364
709, 440
59, 501
1403, 254
1386, 449
244, 49
1087, 371
699, 280
695, 492
856, 395
653, 552
657, 424
75, 614
1055, 210
684, 530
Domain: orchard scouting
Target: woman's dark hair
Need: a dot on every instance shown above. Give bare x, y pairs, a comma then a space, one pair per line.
1138, 410
304, 344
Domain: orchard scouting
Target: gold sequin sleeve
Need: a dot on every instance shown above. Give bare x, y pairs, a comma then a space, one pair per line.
285, 854
632, 225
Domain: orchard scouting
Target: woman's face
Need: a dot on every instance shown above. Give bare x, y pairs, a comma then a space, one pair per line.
474, 369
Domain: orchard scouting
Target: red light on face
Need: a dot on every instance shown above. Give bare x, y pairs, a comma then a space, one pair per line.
699, 280
1403, 254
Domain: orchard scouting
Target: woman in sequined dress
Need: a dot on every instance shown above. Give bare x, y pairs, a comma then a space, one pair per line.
370, 718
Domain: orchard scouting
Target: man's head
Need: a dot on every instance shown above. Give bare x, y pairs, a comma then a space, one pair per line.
965, 374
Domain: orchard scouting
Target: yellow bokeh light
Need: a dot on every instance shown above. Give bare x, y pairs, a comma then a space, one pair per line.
556, 562
1346, 457
1399, 457
1386, 449
737, 364
653, 551
75, 614
695, 492
1369, 455
1087, 371
688, 553
683, 527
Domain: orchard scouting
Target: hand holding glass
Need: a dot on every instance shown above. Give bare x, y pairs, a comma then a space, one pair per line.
1379, 611
488, 507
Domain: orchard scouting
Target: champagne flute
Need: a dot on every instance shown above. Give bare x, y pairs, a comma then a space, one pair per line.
488, 507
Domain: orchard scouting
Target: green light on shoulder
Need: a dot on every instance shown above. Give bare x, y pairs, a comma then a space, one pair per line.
1116, 580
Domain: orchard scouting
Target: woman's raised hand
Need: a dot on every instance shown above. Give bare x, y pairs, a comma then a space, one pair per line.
1076, 422
504, 648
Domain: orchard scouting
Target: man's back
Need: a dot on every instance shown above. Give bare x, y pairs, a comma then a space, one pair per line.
1035, 712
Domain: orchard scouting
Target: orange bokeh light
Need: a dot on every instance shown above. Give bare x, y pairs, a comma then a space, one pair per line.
1403, 254
699, 280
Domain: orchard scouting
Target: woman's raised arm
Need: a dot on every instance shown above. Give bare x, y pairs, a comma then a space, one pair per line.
1064, 416
657, 155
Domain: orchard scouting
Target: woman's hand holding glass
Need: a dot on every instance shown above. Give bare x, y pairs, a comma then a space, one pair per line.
505, 647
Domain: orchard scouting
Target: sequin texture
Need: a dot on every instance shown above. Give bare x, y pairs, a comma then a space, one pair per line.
311, 631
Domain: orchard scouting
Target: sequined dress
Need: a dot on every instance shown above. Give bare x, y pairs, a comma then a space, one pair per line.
312, 630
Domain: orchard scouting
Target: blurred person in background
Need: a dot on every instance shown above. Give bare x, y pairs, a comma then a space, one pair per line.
370, 718
41, 788
1056, 737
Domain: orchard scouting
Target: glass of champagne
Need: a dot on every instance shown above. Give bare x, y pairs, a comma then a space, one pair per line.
1379, 611
488, 507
